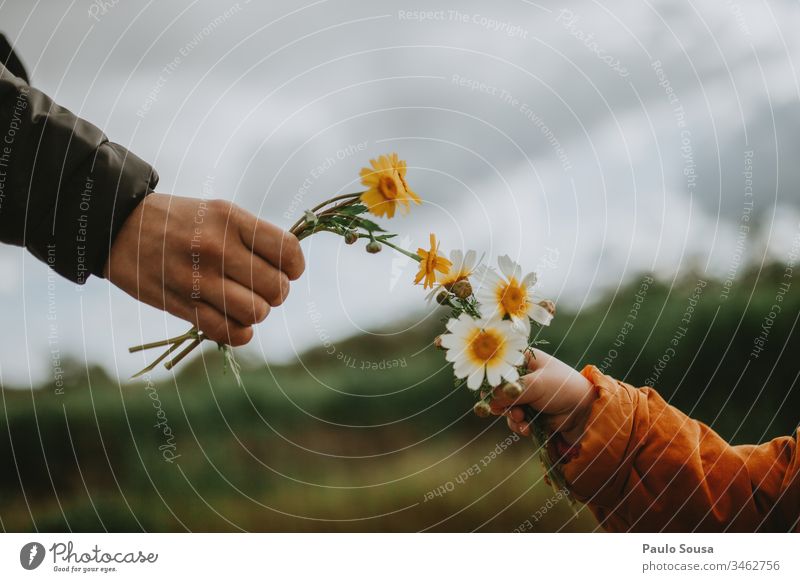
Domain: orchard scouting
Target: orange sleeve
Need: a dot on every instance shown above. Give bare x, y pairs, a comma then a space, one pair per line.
645, 466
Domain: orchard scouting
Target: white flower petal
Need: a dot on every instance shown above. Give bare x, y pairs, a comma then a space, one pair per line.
475, 379
493, 375
497, 369
450, 341
486, 277
432, 295
516, 335
506, 266
522, 324
456, 326
488, 312
530, 280
540, 315
463, 368
486, 293
509, 268
469, 261
511, 374
514, 358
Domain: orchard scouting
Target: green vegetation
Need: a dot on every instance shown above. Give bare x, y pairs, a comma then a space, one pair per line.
322, 445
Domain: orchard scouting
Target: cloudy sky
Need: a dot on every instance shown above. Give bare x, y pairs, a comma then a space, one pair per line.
592, 143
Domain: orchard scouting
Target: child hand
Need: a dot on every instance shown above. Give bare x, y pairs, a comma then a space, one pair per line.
553, 388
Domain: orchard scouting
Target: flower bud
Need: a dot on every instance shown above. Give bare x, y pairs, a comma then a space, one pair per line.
461, 289
549, 306
512, 390
350, 237
437, 343
443, 298
482, 409
374, 247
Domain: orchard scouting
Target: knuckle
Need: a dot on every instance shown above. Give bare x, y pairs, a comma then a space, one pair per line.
292, 256
214, 250
219, 207
261, 311
211, 324
250, 311
218, 331
240, 336
281, 290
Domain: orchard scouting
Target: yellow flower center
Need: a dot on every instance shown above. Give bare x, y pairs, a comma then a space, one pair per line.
485, 346
387, 186
513, 298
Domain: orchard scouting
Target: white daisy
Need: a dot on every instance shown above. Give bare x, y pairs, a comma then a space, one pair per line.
484, 347
509, 295
464, 264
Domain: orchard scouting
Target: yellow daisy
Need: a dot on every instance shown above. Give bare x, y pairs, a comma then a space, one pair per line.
387, 187
478, 348
509, 295
430, 263
464, 264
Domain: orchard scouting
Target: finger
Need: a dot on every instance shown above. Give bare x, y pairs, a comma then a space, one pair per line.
497, 410
278, 247
536, 359
521, 428
235, 301
219, 328
516, 414
206, 318
257, 274
500, 400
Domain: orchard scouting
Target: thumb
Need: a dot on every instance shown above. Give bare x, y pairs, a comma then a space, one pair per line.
534, 391
536, 359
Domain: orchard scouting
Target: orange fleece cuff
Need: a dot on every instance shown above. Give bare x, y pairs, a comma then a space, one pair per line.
608, 445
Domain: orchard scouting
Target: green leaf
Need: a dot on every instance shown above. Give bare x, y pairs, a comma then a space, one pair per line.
369, 225
353, 209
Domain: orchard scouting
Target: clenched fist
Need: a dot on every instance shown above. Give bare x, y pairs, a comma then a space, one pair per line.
208, 262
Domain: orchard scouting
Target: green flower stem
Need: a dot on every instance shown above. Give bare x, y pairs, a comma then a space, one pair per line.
160, 358
463, 305
301, 230
540, 438
176, 360
336, 199
409, 254
192, 333
316, 229
349, 197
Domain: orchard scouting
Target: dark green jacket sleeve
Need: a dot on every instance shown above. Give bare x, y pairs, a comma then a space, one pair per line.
65, 190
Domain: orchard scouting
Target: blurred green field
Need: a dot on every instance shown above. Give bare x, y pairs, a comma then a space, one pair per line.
322, 446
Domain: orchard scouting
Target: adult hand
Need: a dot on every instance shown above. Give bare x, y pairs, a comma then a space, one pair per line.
208, 262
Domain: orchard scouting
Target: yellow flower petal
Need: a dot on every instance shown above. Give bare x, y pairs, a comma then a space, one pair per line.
431, 262
386, 186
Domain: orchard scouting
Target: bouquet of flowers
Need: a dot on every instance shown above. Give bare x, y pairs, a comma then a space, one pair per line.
489, 327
